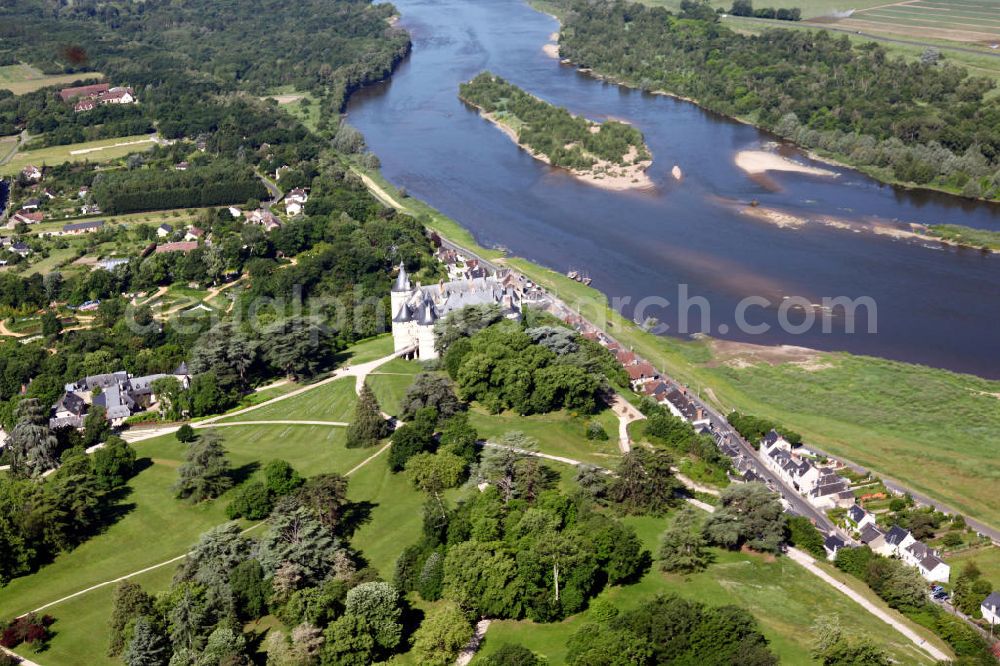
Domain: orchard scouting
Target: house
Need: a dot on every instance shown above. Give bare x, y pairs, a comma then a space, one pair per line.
295, 201
793, 469
181, 166
31, 174
31, 204
87, 104
117, 95
991, 608
234, 211
83, 192
78, 228
927, 561
264, 217
680, 405
415, 309
625, 357
180, 246
120, 395
857, 518
111, 264
21, 249
774, 439
896, 539
90, 209
49, 194
832, 544
641, 372
94, 90
872, 537
23, 216
164, 230
193, 234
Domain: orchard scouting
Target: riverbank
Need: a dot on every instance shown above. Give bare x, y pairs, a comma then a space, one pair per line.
762, 161
897, 418
611, 155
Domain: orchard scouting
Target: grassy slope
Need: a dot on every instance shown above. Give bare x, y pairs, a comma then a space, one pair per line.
900, 419
21, 79
330, 402
986, 558
785, 599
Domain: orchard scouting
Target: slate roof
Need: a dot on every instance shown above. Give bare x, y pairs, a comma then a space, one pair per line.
896, 535
833, 543
992, 602
856, 513
869, 534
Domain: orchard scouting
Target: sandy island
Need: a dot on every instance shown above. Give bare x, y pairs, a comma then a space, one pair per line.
552, 48
602, 174
760, 161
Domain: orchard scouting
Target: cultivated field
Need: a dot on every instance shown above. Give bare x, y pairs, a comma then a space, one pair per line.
954, 20
21, 79
89, 151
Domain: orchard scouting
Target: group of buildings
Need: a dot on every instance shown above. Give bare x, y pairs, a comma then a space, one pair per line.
87, 98
821, 486
896, 542
119, 393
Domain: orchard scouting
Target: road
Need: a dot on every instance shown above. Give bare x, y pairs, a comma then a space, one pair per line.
272, 189
897, 487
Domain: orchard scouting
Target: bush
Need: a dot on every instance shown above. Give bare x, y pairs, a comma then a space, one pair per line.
596, 432
30, 629
185, 434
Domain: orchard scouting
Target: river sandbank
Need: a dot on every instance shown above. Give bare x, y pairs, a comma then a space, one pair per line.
761, 161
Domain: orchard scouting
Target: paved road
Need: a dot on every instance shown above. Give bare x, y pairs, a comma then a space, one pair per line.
897, 487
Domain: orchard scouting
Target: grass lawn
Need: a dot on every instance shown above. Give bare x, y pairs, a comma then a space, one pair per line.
368, 350
389, 383
558, 433
330, 402
987, 558
309, 449
92, 151
22, 78
785, 599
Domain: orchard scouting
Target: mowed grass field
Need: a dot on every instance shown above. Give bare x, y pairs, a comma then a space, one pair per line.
22, 78
987, 558
89, 151
954, 20
330, 402
785, 599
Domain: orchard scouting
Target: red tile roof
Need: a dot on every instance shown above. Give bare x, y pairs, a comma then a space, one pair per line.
83, 91
180, 246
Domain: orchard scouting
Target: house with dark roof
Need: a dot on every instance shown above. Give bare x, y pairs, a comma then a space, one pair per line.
896, 539
164, 230
991, 608
872, 537
832, 544
118, 393
857, 518
927, 561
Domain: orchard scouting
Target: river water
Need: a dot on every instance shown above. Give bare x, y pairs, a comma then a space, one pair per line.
936, 305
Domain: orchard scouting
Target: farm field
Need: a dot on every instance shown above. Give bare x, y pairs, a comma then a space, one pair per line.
92, 151
954, 20
22, 78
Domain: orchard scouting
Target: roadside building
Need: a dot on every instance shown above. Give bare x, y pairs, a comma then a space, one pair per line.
991, 608
78, 228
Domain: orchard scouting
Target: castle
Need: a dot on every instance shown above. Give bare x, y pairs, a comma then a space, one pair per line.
415, 309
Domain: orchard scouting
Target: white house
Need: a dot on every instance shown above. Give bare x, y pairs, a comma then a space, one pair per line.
295, 201
415, 309
927, 562
164, 230
832, 544
991, 608
857, 518
775, 452
31, 173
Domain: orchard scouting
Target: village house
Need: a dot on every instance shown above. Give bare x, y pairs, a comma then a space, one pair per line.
991, 608
120, 394
899, 543
181, 166
117, 95
776, 454
927, 561
857, 518
31, 204
90, 209
832, 544
93, 90
193, 234
87, 104
31, 173
264, 217
295, 201
77, 228
417, 308
831, 491
111, 264
83, 192
25, 217
88, 97
20, 248
164, 230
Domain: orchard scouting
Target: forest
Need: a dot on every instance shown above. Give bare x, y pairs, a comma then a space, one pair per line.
928, 122
221, 182
566, 140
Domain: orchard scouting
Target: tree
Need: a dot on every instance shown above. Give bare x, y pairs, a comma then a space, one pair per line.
500, 462
481, 578
833, 647
129, 602
171, 399
252, 500
412, 438
226, 351
750, 515
95, 426
967, 595
297, 538
50, 324
803, 534
185, 434
148, 646
325, 496
442, 635
251, 589
187, 619
280, 478
510, 654
644, 483
460, 437
212, 561
33, 447
430, 390
376, 604
298, 347
433, 473
114, 463
682, 547
205, 473
368, 426
742, 8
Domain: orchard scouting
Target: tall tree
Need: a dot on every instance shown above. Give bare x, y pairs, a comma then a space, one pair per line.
682, 547
750, 514
298, 347
644, 483
205, 473
148, 646
430, 390
368, 426
33, 447
442, 635
129, 602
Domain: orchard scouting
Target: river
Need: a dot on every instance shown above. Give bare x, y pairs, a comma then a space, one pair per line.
936, 305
